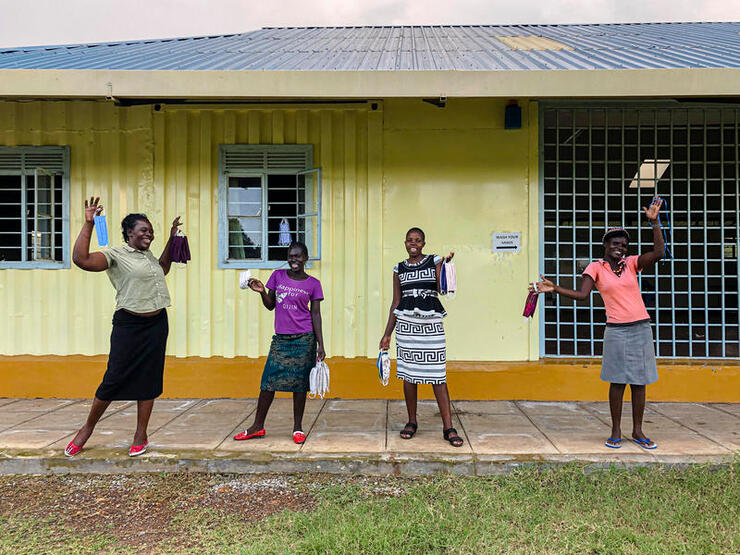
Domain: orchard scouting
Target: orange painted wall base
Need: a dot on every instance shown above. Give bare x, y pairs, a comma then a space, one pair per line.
78, 376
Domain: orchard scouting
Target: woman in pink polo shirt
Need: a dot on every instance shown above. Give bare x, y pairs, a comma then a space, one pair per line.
629, 353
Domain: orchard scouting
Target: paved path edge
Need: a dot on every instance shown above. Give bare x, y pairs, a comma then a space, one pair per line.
346, 464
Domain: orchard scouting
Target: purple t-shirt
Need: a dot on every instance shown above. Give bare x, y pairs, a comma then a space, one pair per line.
292, 302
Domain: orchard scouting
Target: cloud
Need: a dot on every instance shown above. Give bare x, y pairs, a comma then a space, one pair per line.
80, 21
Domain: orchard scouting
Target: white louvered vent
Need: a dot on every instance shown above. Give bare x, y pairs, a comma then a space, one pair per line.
11, 160
235, 160
267, 157
278, 160
50, 161
27, 159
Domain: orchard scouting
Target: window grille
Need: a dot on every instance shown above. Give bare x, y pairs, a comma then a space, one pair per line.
268, 195
600, 165
34, 207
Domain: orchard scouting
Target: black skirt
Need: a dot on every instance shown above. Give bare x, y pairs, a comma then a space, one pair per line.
136, 361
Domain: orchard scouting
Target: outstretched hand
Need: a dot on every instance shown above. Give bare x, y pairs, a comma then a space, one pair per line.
256, 285
92, 209
653, 211
449, 256
544, 286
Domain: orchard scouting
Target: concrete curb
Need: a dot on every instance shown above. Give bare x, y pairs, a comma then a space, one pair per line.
387, 464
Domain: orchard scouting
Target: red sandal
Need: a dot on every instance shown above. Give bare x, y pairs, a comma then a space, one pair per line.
299, 437
72, 449
244, 435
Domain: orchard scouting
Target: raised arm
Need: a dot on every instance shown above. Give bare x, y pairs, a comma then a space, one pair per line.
316, 323
81, 255
385, 342
653, 215
165, 259
547, 286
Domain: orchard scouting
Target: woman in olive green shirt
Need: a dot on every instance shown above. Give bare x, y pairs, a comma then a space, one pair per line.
139, 337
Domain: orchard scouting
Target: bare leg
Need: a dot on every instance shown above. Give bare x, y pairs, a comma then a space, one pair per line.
638, 410
299, 405
410, 395
616, 395
263, 405
143, 412
443, 402
96, 412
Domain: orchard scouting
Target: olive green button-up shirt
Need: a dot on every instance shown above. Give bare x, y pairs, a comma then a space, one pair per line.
138, 279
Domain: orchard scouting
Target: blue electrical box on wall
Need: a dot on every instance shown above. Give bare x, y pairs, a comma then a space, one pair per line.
513, 117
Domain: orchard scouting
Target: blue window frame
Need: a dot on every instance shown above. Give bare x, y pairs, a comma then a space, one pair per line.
268, 196
34, 207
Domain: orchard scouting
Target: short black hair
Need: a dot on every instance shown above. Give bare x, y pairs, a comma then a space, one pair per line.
419, 231
128, 223
299, 245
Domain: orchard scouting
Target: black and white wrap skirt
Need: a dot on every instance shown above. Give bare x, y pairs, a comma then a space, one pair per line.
136, 362
421, 349
629, 355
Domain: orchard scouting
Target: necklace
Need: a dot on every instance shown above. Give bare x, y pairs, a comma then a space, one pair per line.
620, 267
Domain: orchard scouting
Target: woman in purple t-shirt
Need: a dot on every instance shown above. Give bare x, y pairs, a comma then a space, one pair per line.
298, 341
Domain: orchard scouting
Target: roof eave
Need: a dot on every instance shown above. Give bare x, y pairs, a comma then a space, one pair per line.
246, 85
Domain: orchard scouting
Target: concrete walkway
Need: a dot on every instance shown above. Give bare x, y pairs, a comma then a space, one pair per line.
358, 436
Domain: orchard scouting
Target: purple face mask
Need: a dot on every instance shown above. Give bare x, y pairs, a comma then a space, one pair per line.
180, 250
530, 305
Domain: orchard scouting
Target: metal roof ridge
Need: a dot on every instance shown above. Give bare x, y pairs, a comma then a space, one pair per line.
7, 49
490, 25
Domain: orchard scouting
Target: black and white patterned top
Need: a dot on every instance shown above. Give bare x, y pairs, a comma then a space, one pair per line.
419, 296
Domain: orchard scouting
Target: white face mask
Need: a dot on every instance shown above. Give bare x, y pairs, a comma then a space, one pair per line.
244, 278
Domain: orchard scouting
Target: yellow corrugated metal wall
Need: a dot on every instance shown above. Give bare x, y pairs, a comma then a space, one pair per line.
69, 311
165, 163
212, 316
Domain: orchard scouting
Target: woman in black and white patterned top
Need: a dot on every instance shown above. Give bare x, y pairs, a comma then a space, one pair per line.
416, 315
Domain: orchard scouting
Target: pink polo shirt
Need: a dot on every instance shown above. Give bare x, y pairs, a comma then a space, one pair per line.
622, 299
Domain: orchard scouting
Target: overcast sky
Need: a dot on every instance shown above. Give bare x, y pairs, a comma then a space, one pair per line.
38, 22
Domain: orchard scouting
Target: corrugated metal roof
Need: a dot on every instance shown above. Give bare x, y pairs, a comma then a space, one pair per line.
458, 47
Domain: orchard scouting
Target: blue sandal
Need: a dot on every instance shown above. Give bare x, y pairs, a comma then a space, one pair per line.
618, 443
645, 443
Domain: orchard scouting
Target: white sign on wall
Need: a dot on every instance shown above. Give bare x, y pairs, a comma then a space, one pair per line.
507, 242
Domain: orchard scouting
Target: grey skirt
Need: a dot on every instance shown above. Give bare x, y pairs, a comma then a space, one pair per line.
629, 355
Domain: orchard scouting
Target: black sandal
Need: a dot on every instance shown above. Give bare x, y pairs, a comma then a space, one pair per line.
456, 440
409, 430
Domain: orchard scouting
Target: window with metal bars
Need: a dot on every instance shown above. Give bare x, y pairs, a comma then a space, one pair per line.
269, 195
600, 166
34, 207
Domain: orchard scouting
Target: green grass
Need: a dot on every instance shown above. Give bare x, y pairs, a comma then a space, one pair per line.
562, 510
535, 510
34, 535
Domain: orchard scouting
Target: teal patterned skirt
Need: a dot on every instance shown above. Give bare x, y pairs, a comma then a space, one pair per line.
289, 363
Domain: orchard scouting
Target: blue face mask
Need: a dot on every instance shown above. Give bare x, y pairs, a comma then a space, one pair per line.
101, 230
